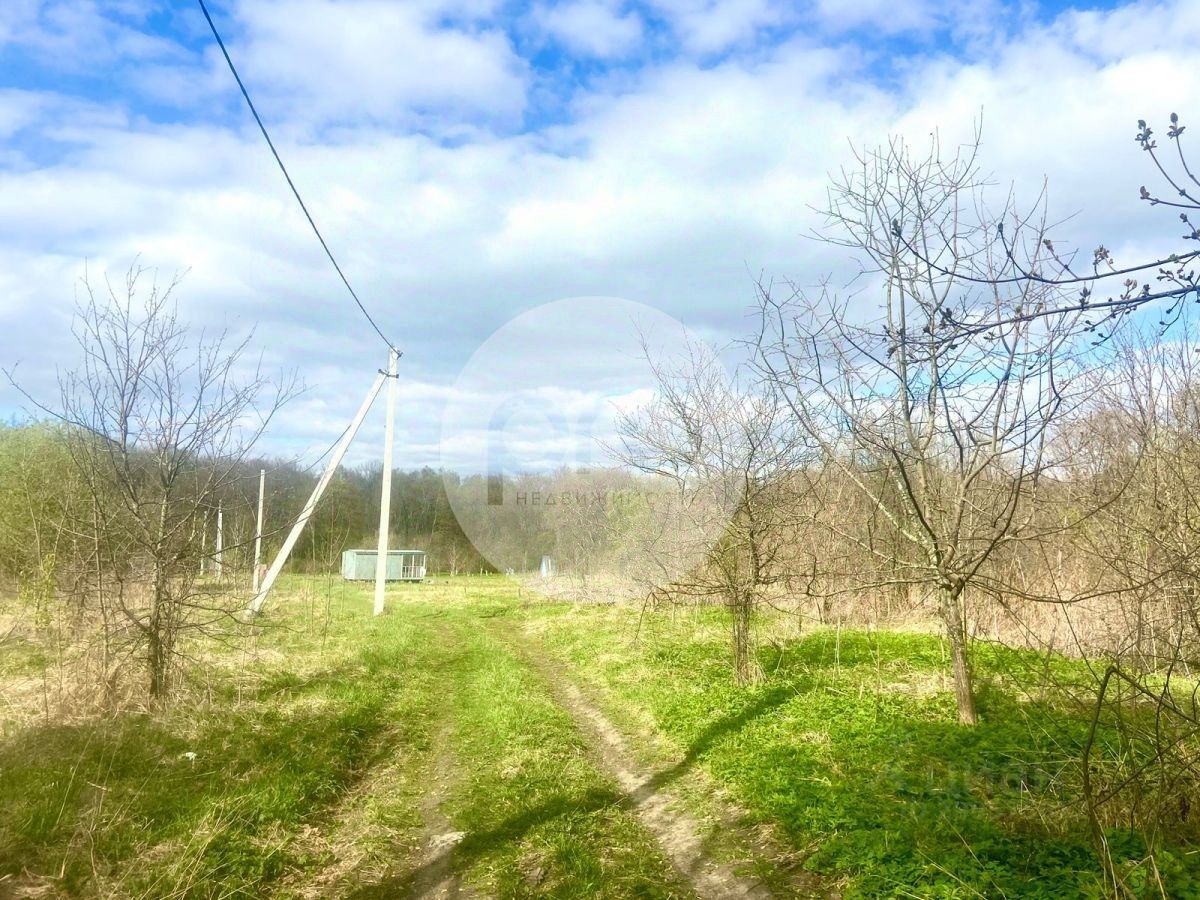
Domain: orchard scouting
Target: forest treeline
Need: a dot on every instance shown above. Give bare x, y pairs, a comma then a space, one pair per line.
39, 491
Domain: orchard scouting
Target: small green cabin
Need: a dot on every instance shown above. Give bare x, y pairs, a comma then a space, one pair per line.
402, 565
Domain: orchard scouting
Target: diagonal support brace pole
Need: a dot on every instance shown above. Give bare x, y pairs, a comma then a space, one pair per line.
334, 461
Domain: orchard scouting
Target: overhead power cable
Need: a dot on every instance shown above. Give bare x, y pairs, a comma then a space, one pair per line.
282, 168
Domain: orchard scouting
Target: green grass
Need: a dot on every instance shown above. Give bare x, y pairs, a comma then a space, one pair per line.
539, 818
329, 751
127, 800
323, 748
850, 746
19, 656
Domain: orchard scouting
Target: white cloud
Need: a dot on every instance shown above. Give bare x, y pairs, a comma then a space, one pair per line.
713, 26
885, 15
965, 18
669, 187
19, 109
348, 61
1061, 104
82, 34
591, 27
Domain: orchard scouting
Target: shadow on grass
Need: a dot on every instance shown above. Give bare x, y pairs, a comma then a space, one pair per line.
514, 828
481, 843
723, 727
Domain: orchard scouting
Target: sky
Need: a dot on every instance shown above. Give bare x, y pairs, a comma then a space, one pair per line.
478, 163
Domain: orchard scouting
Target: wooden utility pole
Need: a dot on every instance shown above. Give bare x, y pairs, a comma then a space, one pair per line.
385, 497
219, 544
262, 487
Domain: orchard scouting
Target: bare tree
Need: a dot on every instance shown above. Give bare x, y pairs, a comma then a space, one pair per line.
157, 423
1139, 629
1096, 286
945, 438
728, 452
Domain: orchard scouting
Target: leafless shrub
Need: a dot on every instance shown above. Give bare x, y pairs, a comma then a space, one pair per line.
156, 423
728, 451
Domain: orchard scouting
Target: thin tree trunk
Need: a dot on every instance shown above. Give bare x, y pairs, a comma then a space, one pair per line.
743, 662
156, 662
158, 648
964, 694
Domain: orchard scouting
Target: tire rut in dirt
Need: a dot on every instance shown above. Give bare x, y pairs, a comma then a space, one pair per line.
677, 832
435, 878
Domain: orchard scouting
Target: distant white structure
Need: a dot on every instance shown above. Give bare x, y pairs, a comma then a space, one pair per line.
547, 569
402, 565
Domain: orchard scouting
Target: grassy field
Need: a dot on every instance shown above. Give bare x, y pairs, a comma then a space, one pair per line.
339, 754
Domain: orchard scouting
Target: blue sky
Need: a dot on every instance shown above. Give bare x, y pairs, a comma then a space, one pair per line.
472, 160
565, 50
